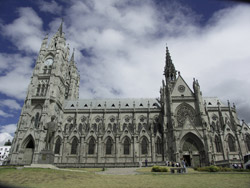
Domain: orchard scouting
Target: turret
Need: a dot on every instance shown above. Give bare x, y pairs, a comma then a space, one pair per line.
74, 79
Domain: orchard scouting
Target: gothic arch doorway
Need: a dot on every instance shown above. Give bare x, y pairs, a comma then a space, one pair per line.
29, 147
192, 150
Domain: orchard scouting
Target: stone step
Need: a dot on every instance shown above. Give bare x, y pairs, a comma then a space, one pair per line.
41, 166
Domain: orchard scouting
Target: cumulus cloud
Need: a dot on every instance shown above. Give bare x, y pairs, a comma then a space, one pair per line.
16, 72
10, 103
120, 48
11, 128
52, 7
26, 31
6, 133
125, 44
4, 137
4, 114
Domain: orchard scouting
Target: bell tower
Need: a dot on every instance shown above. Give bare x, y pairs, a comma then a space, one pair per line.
51, 84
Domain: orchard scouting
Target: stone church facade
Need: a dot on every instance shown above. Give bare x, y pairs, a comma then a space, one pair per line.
91, 132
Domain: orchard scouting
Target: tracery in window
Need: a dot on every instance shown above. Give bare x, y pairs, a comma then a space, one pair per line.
185, 111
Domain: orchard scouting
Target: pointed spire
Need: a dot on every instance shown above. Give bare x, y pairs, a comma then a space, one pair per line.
73, 55
169, 72
168, 57
44, 43
60, 29
72, 59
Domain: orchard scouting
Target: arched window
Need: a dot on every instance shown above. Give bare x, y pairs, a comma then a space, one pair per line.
126, 146
248, 142
217, 144
37, 120
231, 144
38, 90
91, 146
158, 146
80, 128
109, 146
43, 90
74, 146
144, 146
71, 126
185, 111
58, 146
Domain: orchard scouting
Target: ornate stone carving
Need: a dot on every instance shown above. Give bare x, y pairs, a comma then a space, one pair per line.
181, 88
185, 112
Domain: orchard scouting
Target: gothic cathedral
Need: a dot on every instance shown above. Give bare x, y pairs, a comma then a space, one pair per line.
57, 127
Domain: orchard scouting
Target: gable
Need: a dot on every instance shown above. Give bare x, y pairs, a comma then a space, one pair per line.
181, 88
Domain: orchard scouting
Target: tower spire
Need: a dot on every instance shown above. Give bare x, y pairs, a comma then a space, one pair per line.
60, 29
169, 72
72, 59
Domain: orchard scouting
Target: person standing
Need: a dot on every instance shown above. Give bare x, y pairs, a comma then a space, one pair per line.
183, 163
146, 162
140, 163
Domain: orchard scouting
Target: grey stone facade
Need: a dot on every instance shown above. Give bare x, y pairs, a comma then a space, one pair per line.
181, 123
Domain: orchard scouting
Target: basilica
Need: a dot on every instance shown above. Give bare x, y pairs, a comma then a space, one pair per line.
56, 127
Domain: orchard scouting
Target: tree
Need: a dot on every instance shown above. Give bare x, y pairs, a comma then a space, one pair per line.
8, 143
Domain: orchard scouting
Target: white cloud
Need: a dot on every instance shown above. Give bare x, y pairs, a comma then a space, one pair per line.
11, 104
10, 129
4, 114
7, 133
4, 137
26, 31
126, 42
17, 73
52, 7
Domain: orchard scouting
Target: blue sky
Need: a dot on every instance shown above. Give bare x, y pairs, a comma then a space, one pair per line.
120, 48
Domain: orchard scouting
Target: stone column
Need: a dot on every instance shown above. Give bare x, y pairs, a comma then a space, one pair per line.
82, 147
223, 147
99, 149
117, 148
153, 149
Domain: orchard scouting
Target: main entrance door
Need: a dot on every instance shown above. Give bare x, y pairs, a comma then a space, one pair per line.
187, 159
193, 150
